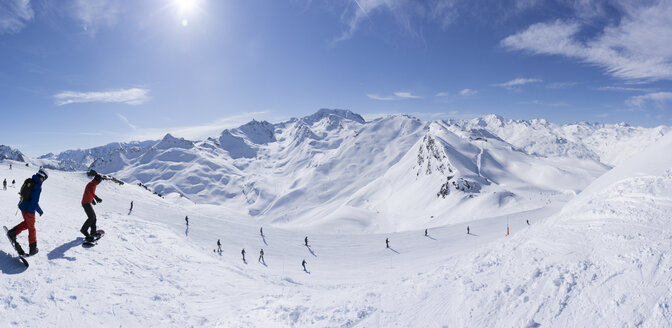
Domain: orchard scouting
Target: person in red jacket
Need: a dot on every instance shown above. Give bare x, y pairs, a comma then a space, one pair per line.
88, 200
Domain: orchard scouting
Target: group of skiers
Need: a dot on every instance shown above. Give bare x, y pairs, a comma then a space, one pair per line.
29, 204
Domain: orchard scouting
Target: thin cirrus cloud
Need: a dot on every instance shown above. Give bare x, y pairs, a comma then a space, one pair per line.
468, 92
637, 48
14, 15
125, 120
516, 83
400, 95
133, 96
656, 98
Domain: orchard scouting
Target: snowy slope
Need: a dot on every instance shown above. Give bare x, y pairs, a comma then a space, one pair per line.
334, 169
604, 263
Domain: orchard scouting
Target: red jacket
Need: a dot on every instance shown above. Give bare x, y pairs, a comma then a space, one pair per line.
89, 192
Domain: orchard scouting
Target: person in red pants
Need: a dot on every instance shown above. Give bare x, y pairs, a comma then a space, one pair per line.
29, 204
88, 199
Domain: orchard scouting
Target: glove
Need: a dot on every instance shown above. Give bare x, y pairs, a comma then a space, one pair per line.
98, 199
93, 202
41, 213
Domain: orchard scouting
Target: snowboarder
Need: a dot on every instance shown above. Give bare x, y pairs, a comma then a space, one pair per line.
131, 206
29, 204
387, 243
219, 246
467, 230
186, 218
261, 256
425, 232
4, 184
88, 200
304, 265
243, 253
528, 222
305, 240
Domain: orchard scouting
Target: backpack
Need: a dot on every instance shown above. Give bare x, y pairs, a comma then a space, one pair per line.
26, 190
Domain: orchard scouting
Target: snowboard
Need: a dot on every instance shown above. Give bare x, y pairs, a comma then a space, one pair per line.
21, 257
95, 242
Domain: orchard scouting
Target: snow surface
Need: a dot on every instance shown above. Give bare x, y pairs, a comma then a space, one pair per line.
604, 261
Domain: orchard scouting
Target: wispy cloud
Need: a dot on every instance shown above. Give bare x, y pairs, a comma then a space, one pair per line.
619, 88
125, 120
517, 82
637, 48
133, 96
400, 95
468, 92
657, 99
542, 103
561, 85
95, 14
14, 15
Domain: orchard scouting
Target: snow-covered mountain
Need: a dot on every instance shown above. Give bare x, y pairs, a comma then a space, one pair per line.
604, 260
314, 169
7, 152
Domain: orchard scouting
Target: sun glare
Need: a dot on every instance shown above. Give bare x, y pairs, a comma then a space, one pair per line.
185, 6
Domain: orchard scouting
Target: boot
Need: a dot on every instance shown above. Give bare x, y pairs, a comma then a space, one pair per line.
11, 234
33, 248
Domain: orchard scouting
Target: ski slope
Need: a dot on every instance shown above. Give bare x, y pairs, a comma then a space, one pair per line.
603, 261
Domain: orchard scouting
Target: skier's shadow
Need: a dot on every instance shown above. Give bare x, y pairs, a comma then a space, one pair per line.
430, 237
264, 263
129, 212
306, 271
244, 261
311, 250
10, 264
59, 252
186, 232
392, 249
472, 234
264, 239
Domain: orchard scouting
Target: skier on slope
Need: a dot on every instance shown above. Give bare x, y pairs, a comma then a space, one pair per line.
387, 243
305, 240
467, 230
261, 231
4, 184
243, 253
528, 222
425, 232
131, 206
28, 206
186, 218
13, 182
304, 265
261, 256
219, 246
88, 199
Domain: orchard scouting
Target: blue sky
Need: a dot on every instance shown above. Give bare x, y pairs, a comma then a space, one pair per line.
82, 73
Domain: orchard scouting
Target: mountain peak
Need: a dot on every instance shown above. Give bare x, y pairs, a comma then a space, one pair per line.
340, 113
169, 141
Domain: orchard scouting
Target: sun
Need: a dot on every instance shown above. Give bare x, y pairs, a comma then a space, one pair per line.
185, 6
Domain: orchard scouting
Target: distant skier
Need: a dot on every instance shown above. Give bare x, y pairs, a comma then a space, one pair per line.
304, 265
387, 243
425, 232
243, 253
261, 231
131, 206
305, 240
88, 199
4, 184
13, 182
528, 222
10, 166
467, 230
186, 219
219, 246
261, 256
29, 204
